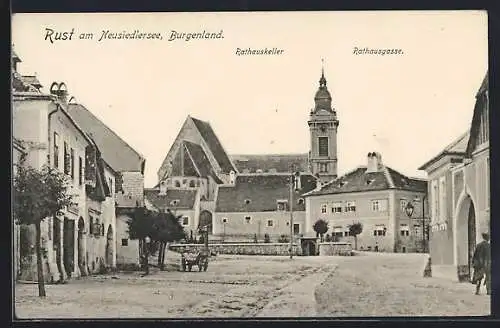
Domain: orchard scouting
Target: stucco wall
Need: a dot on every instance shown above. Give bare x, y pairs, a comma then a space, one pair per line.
128, 254
237, 226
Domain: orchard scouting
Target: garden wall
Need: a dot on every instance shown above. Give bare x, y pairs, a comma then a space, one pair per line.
335, 248
241, 248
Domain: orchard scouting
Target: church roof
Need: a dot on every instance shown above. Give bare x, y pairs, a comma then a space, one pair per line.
260, 193
172, 199
199, 161
270, 163
359, 180
119, 155
214, 144
457, 147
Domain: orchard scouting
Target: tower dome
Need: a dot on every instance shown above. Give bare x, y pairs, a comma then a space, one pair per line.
323, 99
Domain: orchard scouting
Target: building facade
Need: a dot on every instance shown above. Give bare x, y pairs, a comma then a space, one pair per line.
80, 239
460, 191
18, 156
375, 196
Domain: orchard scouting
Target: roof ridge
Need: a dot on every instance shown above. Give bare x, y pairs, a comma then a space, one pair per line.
388, 176
111, 130
456, 141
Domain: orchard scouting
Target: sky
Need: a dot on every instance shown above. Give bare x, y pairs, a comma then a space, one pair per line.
407, 106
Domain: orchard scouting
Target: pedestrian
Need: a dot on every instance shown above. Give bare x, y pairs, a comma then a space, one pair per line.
481, 262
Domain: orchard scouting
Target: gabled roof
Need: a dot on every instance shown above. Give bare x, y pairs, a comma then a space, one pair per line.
480, 105
359, 180
457, 147
115, 151
184, 199
270, 162
262, 191
199, 160
214, 144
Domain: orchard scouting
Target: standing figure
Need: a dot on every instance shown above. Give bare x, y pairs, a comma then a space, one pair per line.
481, 262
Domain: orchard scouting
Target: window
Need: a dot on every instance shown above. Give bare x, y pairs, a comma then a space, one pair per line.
185, 220
435, 201
442, 199
379, 205
72, 163
124, 242
323, 167
300, 201
102, 229
80, 171
247, 219
323, 208
404, 230
174, 202
56, 150
337, 208
350, 207
338, 232
270, 223
347, 233
224, 220
296, 228
402, 205
379, 230
67, 163
192, 184
177, 183
91, 226
323, 146
282, 205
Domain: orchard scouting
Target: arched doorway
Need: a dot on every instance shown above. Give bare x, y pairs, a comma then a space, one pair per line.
205, 220
465, 238
81, 246
109, 247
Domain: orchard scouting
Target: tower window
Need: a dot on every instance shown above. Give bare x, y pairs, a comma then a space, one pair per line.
323, 146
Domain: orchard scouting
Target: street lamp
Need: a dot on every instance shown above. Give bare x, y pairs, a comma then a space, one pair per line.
410, 208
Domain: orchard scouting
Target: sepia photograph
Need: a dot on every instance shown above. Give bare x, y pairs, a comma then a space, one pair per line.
179, 165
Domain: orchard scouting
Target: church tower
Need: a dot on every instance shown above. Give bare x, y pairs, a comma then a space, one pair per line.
323, 125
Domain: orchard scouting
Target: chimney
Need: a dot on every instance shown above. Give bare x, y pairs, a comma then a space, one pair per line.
374, 162
60, 90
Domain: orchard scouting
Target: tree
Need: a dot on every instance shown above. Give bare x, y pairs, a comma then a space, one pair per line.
160, 227
39, 194
354, 230
321, 227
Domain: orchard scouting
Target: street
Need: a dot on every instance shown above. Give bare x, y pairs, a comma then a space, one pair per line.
370, 284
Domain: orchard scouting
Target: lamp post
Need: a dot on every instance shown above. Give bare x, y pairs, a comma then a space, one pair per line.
409, 209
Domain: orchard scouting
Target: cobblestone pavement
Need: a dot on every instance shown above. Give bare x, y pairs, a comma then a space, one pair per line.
255, 286
376, 284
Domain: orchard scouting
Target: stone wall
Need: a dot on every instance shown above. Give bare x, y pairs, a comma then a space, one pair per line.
241, 248
330, 249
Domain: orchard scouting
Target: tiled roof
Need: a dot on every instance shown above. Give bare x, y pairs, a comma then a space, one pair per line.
31, 80
185, 199
269, 163
457, 147
214, 144
261, 191
200, 160
115, 151
359, 181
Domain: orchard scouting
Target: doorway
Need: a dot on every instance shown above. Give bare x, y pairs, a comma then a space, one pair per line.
109, 247
68, 245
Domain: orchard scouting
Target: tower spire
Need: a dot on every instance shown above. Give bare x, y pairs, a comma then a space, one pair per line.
322, 81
